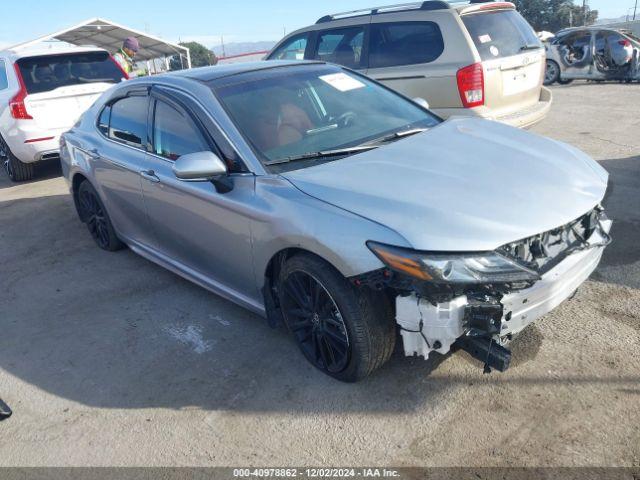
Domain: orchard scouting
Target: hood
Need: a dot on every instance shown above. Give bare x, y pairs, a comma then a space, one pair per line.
465, 185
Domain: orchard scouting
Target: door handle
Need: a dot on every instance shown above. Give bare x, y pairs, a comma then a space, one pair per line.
94, 154
150, 175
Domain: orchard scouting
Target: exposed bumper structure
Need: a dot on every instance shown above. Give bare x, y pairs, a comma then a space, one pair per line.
427, 327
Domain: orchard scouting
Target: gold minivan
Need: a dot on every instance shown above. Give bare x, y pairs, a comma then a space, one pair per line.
477, 58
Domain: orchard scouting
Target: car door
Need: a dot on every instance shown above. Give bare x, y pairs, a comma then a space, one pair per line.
200, 230
613, 52
576, 54
118, 157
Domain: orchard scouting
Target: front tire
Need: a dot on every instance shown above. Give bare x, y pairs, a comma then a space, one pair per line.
94, 214
552, 73
343, 331
17, 171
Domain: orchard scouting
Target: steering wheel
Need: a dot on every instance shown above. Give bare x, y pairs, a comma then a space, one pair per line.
346, 119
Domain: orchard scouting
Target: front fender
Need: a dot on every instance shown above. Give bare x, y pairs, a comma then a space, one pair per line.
293, 219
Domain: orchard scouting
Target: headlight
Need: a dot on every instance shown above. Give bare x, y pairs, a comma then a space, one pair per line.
485, 267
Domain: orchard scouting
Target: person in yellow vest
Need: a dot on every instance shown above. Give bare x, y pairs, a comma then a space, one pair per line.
126, 54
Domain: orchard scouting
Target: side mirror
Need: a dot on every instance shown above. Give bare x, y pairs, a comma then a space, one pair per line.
199, 167
422, 102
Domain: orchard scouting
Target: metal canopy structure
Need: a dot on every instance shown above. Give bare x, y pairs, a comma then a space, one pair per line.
109, 36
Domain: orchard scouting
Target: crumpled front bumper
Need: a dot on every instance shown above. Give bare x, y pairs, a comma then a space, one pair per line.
426, 327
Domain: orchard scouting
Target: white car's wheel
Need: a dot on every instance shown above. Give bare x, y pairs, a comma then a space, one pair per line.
17, 171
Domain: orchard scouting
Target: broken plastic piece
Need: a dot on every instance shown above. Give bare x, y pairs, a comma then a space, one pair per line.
493, 356
5, 411
483, 319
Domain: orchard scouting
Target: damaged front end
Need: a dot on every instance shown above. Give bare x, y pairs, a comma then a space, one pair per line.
478, 301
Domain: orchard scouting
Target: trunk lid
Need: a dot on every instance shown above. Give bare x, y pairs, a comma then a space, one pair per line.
61, 108
59, 87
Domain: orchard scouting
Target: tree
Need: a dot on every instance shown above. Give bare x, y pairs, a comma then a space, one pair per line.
554, 15
201, 56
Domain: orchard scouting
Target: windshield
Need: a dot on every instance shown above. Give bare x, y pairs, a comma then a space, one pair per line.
500, 34
292, 112
46, 73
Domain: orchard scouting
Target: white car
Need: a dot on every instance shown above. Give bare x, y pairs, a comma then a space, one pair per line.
42, 94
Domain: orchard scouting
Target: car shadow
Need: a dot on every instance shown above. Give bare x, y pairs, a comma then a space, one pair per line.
43, 171
113, 330
594, 83
621, 205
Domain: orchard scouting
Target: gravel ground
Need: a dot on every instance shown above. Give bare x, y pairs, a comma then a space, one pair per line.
108, 359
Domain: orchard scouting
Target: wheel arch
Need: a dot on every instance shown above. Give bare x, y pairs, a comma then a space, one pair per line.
270, 274
76, 181
559, 70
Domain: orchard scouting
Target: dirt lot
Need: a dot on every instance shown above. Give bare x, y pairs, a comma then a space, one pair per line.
108, 359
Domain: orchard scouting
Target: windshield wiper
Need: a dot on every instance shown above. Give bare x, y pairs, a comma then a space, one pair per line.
322, 154
396, 135
530, 47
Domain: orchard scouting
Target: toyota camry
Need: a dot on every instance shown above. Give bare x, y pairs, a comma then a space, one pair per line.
340, 209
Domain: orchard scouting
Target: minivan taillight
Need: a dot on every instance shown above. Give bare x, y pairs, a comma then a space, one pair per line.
471, 85
16, 104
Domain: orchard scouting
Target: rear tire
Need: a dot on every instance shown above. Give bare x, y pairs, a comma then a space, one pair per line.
343, 331
17, 171
94, 214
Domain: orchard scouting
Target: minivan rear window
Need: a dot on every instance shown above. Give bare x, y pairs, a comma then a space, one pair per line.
48, 72
500, 34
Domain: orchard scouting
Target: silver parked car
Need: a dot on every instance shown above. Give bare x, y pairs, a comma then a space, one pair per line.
592, 53
329, 203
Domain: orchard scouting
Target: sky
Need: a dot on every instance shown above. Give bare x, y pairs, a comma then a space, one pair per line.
200, 20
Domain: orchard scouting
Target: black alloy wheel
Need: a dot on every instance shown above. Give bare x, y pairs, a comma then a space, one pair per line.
316, 322
93, 213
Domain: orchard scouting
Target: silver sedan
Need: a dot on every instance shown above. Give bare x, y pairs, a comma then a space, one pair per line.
340, 209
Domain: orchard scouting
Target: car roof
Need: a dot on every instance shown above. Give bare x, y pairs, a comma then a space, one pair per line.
357, 17
207, 74
459, 6
39, 51
590, 28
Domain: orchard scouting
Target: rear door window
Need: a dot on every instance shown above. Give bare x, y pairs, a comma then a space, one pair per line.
342, 46
4, 83
48, 72
128, 122
104, 119
175, 134
500, 34
410, 43
292, 49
